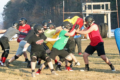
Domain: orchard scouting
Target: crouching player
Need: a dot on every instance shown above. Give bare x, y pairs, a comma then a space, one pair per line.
37, 50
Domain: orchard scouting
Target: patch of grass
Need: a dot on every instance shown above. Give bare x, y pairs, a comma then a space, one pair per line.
99, 69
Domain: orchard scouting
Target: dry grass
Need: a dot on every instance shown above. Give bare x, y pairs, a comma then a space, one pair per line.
99, 69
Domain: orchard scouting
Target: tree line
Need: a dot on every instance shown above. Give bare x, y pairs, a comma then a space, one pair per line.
36, 11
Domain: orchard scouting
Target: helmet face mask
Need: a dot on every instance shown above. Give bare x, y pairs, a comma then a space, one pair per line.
89, 20
38, 29
45, 24
22, 21
67, 25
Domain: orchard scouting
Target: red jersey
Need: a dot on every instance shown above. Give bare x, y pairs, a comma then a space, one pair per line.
95, 37
24, 29
78, 22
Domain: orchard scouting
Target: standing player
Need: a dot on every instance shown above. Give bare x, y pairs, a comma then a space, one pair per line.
58, 47
21, 46
4, 41
24, 27
96, 43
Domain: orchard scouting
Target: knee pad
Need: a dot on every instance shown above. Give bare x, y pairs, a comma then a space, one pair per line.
6, 52
16, 57
70, 61
33, 59
48, 59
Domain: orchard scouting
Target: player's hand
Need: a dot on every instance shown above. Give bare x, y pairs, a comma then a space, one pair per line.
76, 26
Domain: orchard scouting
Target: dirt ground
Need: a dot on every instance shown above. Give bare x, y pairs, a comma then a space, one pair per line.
99, 69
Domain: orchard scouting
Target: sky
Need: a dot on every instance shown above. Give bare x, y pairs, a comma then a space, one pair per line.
2, 4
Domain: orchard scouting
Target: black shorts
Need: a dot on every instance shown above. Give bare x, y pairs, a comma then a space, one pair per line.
60, 53
40, 54
100, 49
70, 46
4, 42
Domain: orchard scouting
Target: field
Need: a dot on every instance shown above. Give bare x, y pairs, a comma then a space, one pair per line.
99, 69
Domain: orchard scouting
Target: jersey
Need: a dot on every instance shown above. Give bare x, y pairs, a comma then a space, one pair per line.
95, 37
60, 44
11, 32
30, 33
24, 29
36, 47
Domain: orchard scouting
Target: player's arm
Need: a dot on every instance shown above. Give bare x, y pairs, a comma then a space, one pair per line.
25, 47
2, 31
70, 33
50, 39
94, 27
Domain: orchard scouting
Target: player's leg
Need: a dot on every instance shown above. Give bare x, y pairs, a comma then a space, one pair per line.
33, 65
18, 53
88, 51
101, 53
5, 47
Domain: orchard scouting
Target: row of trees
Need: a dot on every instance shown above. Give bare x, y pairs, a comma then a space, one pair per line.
38, 10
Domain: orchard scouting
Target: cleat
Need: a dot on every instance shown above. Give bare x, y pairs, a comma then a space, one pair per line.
33, 74
77, 64
79, 53
54, 73
7, 64
38, 72
68, 69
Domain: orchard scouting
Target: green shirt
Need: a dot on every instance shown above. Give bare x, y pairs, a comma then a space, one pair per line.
59, 44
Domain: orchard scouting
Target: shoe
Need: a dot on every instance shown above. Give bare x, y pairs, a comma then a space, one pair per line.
77, 64
54, 73
33, 74
87, 69
113, 69
79, 53
7, 64
68, 69
38, 72
59, 68
1, 63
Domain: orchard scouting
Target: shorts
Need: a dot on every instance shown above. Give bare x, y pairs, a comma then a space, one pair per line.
21, 46
4, 42
70, 46
61, 53
40, 54
100, 49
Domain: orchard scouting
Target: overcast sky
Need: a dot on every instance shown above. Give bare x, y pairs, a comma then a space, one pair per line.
2, 4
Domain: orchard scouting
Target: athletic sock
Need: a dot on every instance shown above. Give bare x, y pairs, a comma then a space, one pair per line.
87, 67
55, 60
26, 60
3, 59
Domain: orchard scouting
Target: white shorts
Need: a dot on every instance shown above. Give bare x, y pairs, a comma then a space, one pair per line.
21, 46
